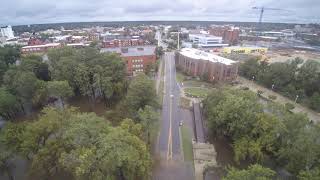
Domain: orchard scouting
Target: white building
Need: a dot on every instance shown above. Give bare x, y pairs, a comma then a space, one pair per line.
203, 40
6, 32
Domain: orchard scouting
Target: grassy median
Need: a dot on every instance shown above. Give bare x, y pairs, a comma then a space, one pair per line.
186, 143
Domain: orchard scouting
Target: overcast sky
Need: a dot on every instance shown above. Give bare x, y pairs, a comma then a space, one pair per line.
16, 12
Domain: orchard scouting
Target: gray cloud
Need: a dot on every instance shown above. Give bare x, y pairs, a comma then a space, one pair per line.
45, 11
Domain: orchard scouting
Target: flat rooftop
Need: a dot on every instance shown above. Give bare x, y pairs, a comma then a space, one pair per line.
201, 55
132, 50
206, 36
43, 45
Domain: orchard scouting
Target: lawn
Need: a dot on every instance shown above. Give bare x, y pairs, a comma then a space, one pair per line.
187, 143
180, 77
196, 92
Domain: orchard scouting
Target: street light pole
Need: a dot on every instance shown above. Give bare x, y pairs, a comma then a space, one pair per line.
295, 101
178, 41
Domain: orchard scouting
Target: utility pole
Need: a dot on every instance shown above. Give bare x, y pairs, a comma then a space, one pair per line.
178, 40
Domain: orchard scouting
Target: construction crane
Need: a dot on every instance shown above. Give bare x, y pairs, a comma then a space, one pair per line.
262, 9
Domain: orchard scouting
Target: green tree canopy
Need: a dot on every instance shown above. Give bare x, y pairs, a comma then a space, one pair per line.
59, 89
141, 93
81, 145
254, 172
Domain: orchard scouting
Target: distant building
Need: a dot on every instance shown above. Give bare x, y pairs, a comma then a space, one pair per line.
212, 67
77, 45
230, 35
33, 41
206, 41
39, 48
94, 37
259, 38
137, 58
6, 32
124, 41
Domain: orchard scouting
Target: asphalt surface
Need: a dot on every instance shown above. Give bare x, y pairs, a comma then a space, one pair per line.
169, 139
170, 164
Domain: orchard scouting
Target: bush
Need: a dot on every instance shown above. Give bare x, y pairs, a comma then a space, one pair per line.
272, 97
289, 106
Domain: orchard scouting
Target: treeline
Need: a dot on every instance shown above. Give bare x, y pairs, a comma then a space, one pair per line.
259, 132
295, 79
34, 82
64, 142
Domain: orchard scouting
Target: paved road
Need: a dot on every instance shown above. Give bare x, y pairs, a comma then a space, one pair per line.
169, 140
170, 165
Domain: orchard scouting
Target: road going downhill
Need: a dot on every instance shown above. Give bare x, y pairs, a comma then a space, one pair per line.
171, 164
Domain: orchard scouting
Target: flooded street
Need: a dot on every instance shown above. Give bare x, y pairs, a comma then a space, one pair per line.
224, 159
84, 105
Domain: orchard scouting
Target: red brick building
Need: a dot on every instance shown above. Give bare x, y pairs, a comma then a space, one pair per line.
212, 67
230, 35
137, 58
33, 41
125, 42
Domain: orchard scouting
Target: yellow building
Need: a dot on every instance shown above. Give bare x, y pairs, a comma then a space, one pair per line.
244, 50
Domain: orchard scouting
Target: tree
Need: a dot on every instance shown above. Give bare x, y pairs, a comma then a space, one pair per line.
5, 164
132, 127
238, 115
315, 101
313, 174
308, 77
249, 68
254, 172
159, 52
141, 93
290, 78
60, 90
11, 140
8, 104
9, 54
148, 118
81, 145
301, 151
55, 55
235, 114
91, 73
22, 84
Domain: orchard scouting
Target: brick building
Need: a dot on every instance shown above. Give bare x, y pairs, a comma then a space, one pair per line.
33, 41
230, 35
123, 42
94, 37
137, 58
212, 67
39, 48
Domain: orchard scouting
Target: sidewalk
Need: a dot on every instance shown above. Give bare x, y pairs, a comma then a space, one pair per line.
159, 75
314, 116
